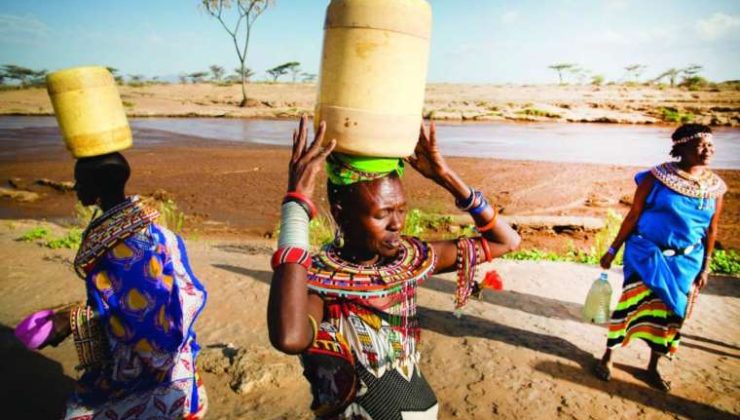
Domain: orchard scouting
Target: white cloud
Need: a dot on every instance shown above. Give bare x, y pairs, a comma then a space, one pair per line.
509, 17
21, 27
717, 26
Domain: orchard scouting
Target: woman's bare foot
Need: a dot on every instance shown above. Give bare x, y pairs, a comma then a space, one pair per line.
603, 368
652, 374
654, 379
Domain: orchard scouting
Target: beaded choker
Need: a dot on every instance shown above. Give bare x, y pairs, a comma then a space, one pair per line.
113, 226
335, 277
707, 185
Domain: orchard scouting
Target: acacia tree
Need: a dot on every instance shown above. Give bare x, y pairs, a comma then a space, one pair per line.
283, 69
691, 76
295, 70
23, 75
247, 12
635, 70
217, 72
308, 77
560, 68
671, 74
197, 76
248, 73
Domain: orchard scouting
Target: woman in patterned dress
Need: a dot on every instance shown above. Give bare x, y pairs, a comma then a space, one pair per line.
669, 234
142, 299
350, 310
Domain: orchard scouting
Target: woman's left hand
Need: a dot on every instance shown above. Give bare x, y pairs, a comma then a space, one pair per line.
61, 329
427, 158
702, 279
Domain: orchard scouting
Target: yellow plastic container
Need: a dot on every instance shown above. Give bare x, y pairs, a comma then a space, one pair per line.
373, 75
89, 111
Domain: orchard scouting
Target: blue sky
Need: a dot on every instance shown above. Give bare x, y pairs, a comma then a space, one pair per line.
473, 41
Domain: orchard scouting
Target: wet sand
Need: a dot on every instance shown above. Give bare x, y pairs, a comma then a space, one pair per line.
229, 188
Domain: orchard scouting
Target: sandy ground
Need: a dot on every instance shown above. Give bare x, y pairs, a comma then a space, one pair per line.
519, 353
574, 103
235, 189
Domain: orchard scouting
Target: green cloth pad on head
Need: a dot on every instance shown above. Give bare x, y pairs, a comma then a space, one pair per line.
345, 169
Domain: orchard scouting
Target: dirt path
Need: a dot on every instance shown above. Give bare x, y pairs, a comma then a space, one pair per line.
520, 353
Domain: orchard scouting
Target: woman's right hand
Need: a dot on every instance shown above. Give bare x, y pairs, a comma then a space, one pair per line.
606, 261
306, 162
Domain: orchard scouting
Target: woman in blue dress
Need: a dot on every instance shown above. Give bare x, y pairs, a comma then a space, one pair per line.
669, 236
134, 336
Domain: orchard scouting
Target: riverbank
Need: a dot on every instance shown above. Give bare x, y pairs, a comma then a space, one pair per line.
451, 102
229, 189
522, 353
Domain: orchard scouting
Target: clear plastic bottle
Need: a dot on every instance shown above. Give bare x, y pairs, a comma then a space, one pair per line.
596, 309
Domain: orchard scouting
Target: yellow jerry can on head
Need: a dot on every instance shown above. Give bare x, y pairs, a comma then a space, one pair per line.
89, 111
373, 75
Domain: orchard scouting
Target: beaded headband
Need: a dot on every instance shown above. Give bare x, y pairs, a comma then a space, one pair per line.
687, 139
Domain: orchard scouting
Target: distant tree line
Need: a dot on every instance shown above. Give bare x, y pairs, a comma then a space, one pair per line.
217, 74
19, 76
685, 77
22, 76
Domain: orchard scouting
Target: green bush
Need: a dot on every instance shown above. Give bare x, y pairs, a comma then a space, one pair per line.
71, 240
534, 112
725, 262
39, 232
671, 114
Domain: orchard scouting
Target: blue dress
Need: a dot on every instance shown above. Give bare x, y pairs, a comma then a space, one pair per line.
670, 220
147, 298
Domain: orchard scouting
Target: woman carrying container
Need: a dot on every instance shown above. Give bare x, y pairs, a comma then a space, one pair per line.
134, 335
669, 234
349, 311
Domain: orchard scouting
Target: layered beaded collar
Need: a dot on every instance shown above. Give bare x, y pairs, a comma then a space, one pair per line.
706, 185
113, 226
331, 275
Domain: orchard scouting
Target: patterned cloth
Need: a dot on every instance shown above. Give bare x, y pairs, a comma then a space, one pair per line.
371, 311
670, 221
147, 298
640, 313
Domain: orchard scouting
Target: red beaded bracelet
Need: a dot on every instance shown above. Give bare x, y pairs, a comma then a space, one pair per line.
291, 255
292, 195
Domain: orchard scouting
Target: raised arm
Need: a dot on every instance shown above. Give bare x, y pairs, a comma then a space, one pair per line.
428, 161
292, 313
630, 221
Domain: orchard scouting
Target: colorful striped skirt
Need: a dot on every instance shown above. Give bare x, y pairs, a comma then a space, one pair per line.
640, 313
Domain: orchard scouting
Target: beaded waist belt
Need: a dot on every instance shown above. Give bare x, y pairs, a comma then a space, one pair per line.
672, 252
90, 342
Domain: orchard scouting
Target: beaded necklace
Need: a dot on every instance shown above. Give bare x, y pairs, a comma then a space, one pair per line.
333, 276
704, 186
115, 225
384, 334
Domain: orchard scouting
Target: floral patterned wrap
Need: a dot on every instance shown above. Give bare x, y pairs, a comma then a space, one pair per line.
147, 298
